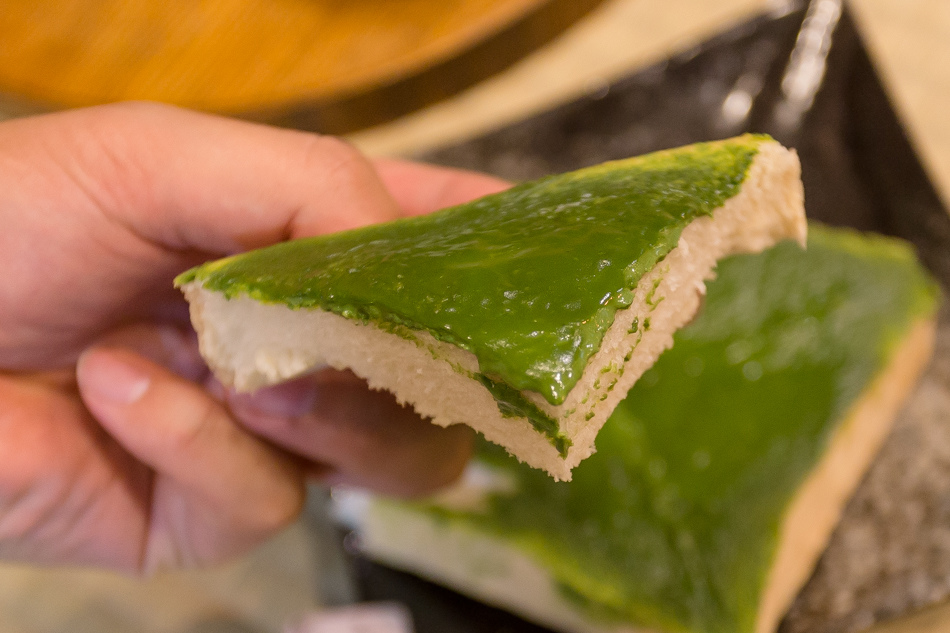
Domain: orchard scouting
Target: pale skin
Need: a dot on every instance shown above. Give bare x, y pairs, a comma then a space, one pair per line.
117, 449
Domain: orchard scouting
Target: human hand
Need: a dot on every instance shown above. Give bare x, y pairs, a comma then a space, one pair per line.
126, 461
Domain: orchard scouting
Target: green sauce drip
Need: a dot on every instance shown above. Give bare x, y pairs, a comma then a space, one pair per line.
528, 279
673, 523
513, 404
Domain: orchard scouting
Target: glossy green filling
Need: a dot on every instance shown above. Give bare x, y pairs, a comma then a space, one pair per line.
673, 523
528, 280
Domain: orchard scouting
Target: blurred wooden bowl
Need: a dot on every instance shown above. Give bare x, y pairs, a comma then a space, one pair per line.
327, 65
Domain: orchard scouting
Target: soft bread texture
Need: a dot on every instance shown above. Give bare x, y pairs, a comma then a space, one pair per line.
493, 571
250, 344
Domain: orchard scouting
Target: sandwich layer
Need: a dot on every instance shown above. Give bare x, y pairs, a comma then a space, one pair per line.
718, 480
527, 314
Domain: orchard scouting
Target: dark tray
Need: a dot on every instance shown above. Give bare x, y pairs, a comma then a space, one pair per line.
805, 78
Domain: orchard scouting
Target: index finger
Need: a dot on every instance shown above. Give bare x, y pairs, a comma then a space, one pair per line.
419, 188
185, 180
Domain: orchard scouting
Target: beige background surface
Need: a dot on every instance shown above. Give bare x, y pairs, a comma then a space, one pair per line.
910, 41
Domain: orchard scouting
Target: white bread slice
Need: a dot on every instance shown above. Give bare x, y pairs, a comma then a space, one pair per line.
250, 344
492, 570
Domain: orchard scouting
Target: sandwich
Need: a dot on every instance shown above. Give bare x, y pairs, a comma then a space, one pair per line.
527, 314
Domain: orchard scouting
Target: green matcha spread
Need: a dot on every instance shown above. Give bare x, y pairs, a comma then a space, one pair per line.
673, 523
528, 280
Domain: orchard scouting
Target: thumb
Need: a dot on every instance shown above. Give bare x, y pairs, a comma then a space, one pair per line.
218, 491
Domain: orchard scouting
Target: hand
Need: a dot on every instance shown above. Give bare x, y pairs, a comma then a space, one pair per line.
112, 450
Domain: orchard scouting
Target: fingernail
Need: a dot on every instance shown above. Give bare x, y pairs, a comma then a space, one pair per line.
102, 374
289, 400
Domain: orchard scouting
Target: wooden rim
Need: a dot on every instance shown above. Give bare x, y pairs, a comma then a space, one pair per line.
452, 59
348, 113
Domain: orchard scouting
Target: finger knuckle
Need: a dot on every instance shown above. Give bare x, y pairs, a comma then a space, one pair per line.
447, 463
148, 112
338, 161
281, 508
190, 435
